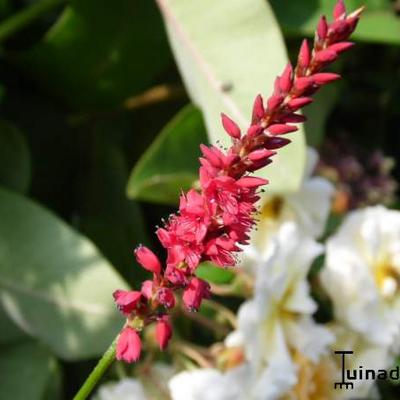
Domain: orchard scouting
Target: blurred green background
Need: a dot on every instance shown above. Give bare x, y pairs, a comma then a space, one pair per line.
98, 136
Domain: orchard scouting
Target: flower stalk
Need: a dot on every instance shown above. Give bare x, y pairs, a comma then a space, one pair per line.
91, 381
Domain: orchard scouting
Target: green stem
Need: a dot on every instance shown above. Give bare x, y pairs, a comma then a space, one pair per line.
25, 17
97, 373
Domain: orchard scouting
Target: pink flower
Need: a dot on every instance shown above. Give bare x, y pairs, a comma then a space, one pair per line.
129, 345
147, 289
126, 300
166, 297
163, 332
196, 291
147, 259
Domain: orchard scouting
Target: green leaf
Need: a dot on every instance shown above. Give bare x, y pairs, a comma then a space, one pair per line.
26, 370
53, 282
378, 24
228, 51
97, 54
214, 274
9, 332
170, 164
15, 169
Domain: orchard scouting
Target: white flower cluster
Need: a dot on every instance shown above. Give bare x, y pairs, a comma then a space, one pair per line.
287, 355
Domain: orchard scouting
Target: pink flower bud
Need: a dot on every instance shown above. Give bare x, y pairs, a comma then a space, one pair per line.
147, 259
341, 46
258, 109
126, 300
326, 56
163, 332
325, 77
299, 102
274, 101
260, 154
322, 28
195, 292
302, 84
251, 182
273, 143
304, 55
147, 289
166, 297
230, 127
129, 345
293, 118
211, 156
286, 80
339, 10
281, 129
253, 131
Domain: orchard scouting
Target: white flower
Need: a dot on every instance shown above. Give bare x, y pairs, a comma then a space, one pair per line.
362, 273
279, 317
240, 383
308, 207
125, 389
206, 384
366, 354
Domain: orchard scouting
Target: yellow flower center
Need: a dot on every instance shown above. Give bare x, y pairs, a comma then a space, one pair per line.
272, 208
314, 380
387, 278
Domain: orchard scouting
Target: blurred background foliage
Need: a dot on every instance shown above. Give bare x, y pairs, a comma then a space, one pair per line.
98, 136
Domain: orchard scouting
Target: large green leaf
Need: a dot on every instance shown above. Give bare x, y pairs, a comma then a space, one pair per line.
53, 282
378, 24
15, 169
26, 371
228, 51
170, 164
9, 332
98, 52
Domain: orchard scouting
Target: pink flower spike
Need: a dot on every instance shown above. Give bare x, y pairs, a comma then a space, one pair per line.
281, 129
299, 102
286, 80
195, 292
147, 259
258, 109
251, 182
326, 56
304, 55
126, 300
129, 345
163, 332
325, 77
230, 127
322, 28
339, 10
